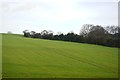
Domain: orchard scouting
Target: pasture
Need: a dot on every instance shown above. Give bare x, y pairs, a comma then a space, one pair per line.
39, 58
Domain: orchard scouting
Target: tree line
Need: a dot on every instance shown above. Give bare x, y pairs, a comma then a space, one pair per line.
91, 34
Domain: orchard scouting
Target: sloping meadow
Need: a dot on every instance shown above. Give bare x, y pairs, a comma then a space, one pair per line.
38, 58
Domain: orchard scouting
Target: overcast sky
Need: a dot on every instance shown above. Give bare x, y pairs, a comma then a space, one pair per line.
56, 15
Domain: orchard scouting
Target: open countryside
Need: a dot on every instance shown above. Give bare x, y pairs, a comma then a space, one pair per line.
40, 58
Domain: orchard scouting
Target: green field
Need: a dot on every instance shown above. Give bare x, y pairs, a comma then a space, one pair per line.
39, 58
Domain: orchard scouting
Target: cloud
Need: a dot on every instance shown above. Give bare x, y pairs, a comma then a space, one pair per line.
4, 7
24, 7
57, 15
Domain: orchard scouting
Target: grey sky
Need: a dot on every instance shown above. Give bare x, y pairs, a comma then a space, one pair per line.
56, 15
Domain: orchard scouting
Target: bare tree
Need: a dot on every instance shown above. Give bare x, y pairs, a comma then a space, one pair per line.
44, 32
85, 29
26, 33
9, 32
32, 34
112, 29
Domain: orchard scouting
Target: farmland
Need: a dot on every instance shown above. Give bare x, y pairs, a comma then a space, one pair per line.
40, 58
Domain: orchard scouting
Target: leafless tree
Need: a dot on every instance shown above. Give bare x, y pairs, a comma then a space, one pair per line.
85, 29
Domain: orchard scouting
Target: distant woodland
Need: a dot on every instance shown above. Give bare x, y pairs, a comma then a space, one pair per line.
91, 34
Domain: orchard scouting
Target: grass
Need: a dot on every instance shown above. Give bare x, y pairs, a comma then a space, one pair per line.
0, 56
39, 58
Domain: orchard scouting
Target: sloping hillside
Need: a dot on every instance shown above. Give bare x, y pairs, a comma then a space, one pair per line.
26, 57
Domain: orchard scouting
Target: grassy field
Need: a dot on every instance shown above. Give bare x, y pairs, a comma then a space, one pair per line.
39, 58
